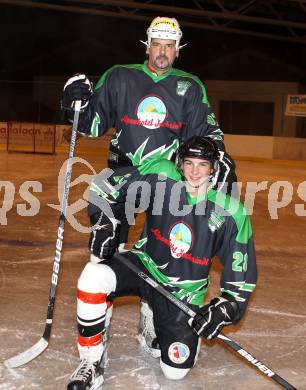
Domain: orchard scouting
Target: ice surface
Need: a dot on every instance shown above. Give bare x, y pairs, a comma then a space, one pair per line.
274, 329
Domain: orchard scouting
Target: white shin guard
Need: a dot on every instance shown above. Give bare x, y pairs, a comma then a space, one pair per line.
97, 278
92, 353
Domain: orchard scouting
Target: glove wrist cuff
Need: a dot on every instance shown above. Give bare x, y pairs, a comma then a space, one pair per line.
236, 312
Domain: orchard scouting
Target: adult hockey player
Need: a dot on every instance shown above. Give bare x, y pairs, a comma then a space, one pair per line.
152, 106
176, 250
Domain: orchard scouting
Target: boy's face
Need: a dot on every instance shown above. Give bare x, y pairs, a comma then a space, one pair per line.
196, 172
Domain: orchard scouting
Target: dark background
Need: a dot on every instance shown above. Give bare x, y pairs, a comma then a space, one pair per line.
36, 43
45, 42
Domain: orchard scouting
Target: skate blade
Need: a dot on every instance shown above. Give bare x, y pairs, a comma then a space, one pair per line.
97, 385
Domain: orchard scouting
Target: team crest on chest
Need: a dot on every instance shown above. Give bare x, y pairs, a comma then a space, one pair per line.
151, 111
182, 87
180, 238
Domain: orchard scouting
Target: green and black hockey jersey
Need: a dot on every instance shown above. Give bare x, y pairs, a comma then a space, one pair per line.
183, 234
150, 113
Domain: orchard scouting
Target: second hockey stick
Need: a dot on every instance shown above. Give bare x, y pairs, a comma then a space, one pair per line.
43, 342
186, 309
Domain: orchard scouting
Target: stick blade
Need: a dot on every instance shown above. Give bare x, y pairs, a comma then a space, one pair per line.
28, 355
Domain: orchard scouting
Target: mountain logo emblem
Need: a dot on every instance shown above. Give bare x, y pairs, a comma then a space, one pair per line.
180, 239
151, 112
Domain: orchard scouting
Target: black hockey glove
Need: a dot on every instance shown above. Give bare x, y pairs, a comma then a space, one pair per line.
213, 317
77, 87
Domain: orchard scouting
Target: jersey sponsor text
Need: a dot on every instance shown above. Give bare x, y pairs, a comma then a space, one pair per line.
151, 123
187, 256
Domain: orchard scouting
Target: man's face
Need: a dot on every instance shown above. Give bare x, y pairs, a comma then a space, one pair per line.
196, 172
162, 53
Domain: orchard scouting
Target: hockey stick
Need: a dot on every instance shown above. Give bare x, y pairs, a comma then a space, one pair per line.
229, 342
42, 344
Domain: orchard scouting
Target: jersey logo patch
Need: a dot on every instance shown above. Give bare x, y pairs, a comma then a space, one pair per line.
151, 112
178, 353
211, 119
94, 130
180, 239
182, 87
215, 221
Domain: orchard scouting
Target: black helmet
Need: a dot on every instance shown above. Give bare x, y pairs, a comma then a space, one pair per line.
198, 147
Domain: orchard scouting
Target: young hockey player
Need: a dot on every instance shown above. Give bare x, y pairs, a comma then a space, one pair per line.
186, 226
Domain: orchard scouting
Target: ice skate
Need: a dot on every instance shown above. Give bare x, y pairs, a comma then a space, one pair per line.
88, 376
